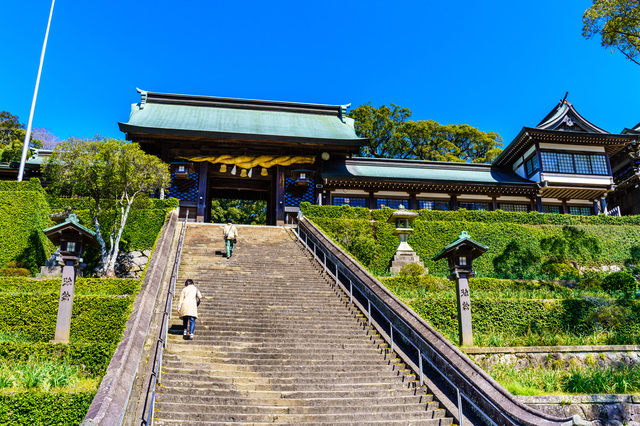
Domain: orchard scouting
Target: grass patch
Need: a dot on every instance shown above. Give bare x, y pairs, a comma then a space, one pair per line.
17, 336
38, 374
575, 380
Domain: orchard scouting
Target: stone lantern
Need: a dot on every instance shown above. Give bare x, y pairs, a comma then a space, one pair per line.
404, 254
460, 254
72, 238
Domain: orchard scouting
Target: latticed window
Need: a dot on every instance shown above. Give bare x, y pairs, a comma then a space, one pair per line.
294, 194
349, 201
583, 165
475, 206
599, 165
434, 205
583, 211
392, 203
565, 163
550, 209
549, 161
183, 188
514, 207
532, 165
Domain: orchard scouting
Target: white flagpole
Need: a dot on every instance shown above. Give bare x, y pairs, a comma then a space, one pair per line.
27, 137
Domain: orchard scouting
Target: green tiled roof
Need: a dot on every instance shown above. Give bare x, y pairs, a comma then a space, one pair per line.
226, 117
413, 170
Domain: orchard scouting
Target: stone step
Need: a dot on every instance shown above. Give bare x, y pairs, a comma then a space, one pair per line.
435, 415
324, 408
257, 361
343, 345
277, 342
403, 422
253, 339
187, 368
220, 384
260, 394
421, 402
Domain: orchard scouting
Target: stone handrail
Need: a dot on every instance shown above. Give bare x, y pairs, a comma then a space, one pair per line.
494, 401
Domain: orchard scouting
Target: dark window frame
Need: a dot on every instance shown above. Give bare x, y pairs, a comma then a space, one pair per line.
557, 161
530, 160
436, 203
334, 201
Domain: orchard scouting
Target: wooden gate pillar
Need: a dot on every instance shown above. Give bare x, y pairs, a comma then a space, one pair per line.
280, 197
203, 203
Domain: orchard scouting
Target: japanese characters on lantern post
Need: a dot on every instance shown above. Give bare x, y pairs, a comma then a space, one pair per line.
460, 255
72, 238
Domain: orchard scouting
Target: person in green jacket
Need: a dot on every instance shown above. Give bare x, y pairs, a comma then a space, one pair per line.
230, 233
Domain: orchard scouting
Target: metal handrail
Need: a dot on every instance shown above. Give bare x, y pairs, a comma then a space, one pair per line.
161, 343
492, 412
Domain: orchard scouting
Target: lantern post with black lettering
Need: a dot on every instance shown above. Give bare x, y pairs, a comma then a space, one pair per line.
460, 255
72, 238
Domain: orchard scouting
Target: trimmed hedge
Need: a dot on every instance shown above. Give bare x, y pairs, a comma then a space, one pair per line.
113, 286
143, 224
520, 316
44, 408
24, 213
462, 215
94, 318
514, 249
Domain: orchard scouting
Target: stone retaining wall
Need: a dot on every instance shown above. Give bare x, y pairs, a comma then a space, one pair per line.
556, 356
602, 410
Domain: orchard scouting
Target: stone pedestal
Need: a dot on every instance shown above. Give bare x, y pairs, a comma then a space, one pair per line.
405, 254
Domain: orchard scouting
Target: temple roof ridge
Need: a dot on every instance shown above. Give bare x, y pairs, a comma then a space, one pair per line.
239, 103
565, 117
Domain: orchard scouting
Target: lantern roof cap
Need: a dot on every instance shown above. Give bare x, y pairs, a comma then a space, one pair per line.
72, 222
401, 213
463, 240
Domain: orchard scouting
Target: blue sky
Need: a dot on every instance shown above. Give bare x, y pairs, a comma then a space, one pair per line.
495, 65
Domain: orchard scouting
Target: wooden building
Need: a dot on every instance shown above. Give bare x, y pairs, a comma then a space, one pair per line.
240, 148
286, 153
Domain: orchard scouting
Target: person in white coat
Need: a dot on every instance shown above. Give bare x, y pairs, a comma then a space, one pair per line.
188, 307
230, 234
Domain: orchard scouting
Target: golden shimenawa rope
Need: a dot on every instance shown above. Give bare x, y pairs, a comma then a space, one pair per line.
246, 162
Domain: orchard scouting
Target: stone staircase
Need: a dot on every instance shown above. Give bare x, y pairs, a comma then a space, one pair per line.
276, 342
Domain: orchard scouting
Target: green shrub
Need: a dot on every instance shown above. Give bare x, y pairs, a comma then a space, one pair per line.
14, 272
620, 283
36, 408
110, 286
412, 287
411, 270
561, 271
591, 282
610, 317
94, 318
515, 250
24, 213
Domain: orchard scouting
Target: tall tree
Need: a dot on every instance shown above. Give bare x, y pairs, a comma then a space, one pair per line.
432, 141
112, 173
12, 135
241, 211
393, 136
48, 139
380, 125
617, 22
